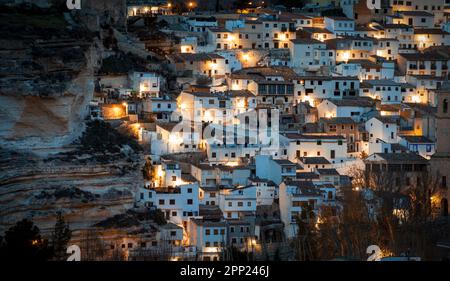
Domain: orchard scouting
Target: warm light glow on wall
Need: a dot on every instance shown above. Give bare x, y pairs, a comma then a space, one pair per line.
241, 103
207, 116
415, 99
186, 49
421, 38
182, 106
175, 139
211, 249
346, 56
245, 57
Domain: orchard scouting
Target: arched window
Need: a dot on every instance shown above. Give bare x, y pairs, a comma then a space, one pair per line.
445, 106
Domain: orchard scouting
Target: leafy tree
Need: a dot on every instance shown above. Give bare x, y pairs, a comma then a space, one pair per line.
23, 242
60, 237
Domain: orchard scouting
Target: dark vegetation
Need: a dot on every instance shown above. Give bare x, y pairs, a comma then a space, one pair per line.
133, 218
23, 242
102, 137
122, 63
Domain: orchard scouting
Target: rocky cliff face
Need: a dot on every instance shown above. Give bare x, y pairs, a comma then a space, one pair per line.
46, 80
46, 83
85, 188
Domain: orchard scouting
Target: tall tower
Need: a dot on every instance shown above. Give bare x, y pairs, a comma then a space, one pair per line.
440, 161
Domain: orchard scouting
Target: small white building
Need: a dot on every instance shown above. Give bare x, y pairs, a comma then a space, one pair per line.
266, 191
276, 170
147, 84
209, 237
297, 200
340, 25
332, 147
385, 90
178, 204
382, 130
173, 137
233, 201
355, 108
419, 144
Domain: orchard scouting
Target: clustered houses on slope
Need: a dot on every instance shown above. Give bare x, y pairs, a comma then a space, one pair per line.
291, 102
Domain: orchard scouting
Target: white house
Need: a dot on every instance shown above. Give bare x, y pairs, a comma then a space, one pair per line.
201, 23
382, 130
173, 137
209, 195
313, 89
354, 108
332, 147
266, 191
419, 144
205, 174
275, 170
160, 108
385, 90
296, 199
309, 54
178, 204
147, 84
233, 201
209, 237
340, 25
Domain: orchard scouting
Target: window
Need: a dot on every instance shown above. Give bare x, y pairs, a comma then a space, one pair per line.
189, 201
332, 154
207, 231
445, 106
172, 202
189, 190
174, 178
240, 204
249, 204
161, 201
